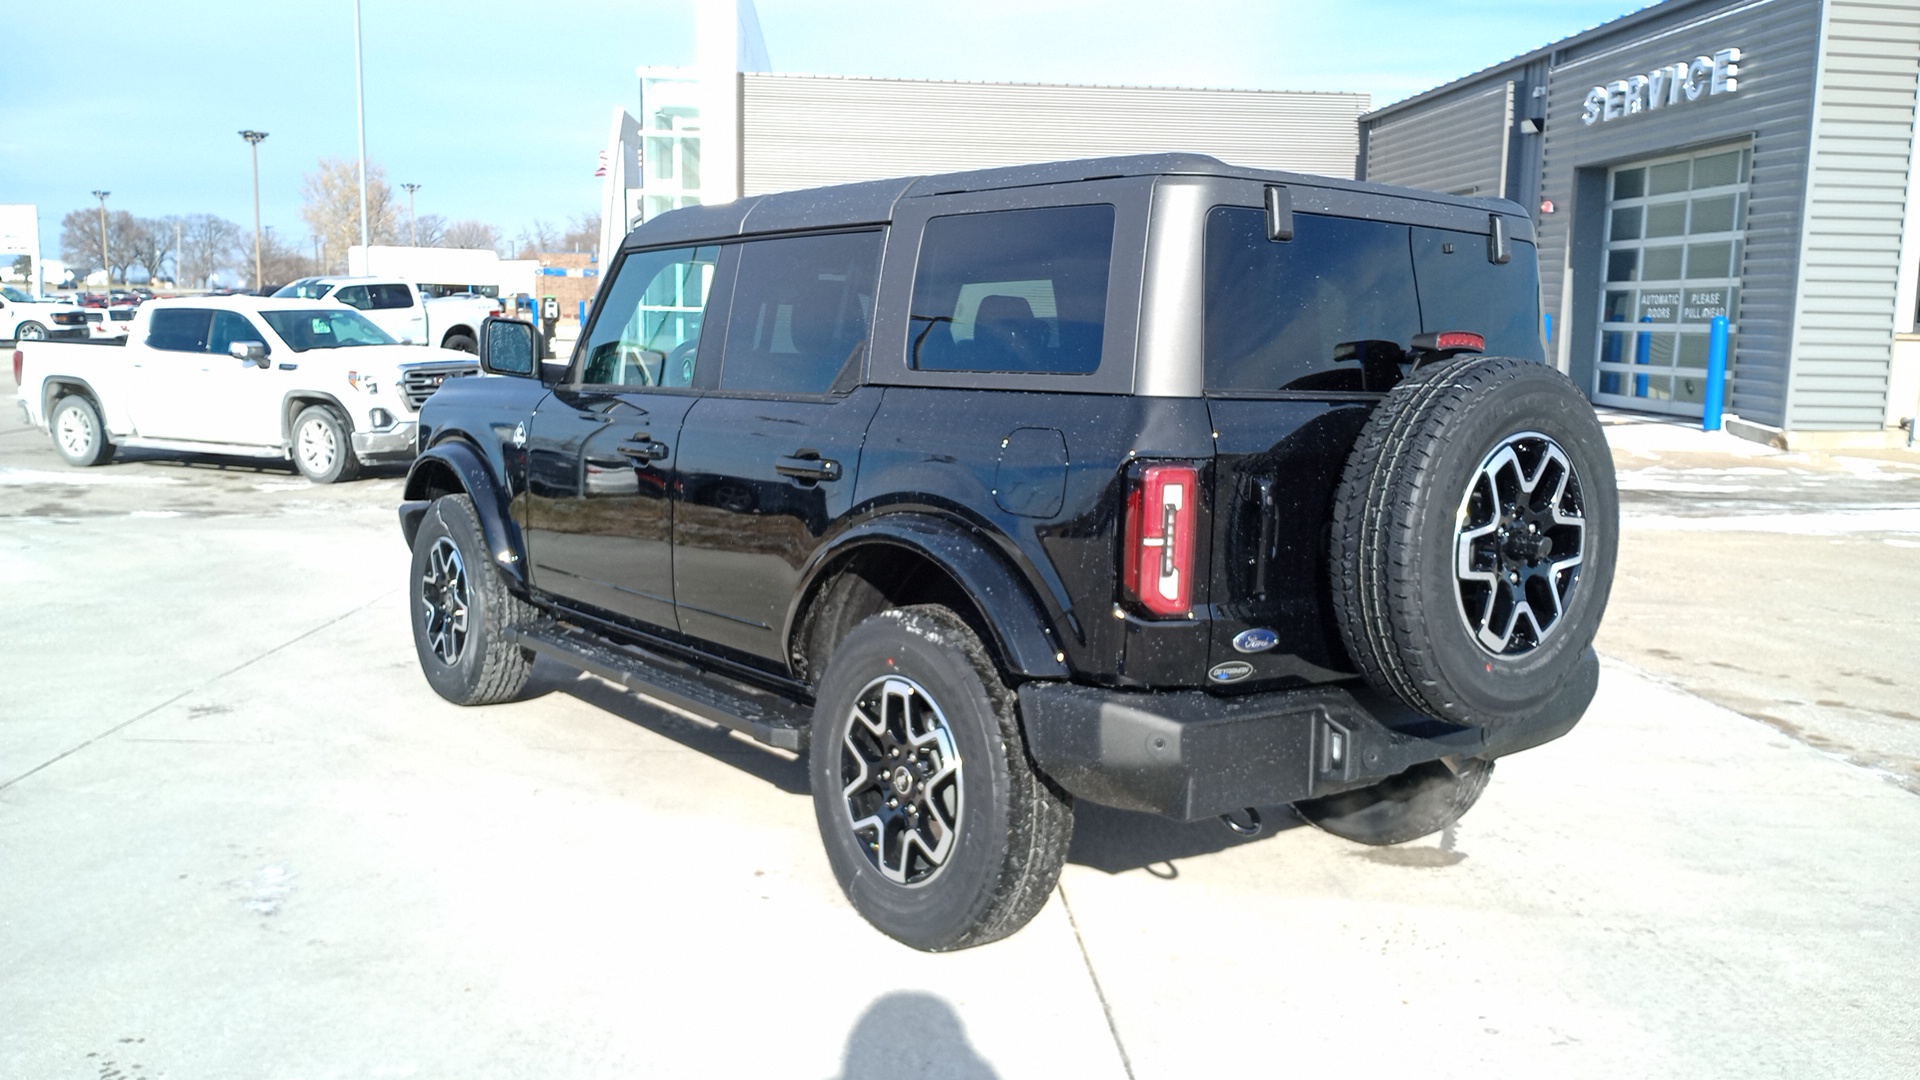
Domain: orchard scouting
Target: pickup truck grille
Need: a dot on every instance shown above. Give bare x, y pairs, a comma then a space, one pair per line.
418, 384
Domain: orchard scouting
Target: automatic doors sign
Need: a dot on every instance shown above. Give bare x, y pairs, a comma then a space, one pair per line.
1675, 84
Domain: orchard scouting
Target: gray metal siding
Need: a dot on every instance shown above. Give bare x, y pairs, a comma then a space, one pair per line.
1854, 208
1773, 106
805, 131
1458, 144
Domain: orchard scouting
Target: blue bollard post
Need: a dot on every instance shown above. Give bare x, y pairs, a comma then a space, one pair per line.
1549, 324
1716, 395
1642, 356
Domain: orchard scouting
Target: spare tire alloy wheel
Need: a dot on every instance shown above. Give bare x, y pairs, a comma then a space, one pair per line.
1522, 530
936, 825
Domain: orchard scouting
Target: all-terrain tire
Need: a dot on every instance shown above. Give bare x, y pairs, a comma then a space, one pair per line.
462, 612
1468, 579
974, 841
79, 435
323, 446
1416, 803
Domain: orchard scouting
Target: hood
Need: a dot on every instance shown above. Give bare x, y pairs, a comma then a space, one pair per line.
394, 357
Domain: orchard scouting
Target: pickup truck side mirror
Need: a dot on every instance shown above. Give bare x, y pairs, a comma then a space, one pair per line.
509, 347
253, 352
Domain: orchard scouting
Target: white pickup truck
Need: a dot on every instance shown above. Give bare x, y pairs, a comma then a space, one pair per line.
22, 318
309, 380
403, 310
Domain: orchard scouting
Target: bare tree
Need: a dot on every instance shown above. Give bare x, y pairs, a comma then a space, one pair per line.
209, 243
537, 237
152, 241
431, 229
471, 234
583, 233
80, 241
282, 260
332, 210
125, 237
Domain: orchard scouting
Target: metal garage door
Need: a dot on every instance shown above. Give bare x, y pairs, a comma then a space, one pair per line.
1676, 230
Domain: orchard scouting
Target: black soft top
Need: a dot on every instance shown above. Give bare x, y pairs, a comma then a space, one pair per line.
873, 202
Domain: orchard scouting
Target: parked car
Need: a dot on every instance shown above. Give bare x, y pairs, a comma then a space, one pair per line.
312, 381
1155, 482
109, 323
23, 318
401, 309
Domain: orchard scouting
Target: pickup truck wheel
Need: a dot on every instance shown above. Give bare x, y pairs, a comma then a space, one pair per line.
30, 331
1473, 539
462, 611
78, 433
1419, 802
323, 446
938, 827
463, 343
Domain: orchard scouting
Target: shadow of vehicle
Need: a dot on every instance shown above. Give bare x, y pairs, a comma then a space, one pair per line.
906, 1034
1115, 841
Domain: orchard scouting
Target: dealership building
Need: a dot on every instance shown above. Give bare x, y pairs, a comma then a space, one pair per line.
1699, 158
1748, 159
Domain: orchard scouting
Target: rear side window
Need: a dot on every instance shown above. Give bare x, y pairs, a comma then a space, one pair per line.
179, 329
389, 297
647, 330
1277, 311
354, 296
802, 306
1013, 290
1461, 290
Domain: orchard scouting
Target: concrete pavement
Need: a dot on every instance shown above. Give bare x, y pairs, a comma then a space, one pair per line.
240, 837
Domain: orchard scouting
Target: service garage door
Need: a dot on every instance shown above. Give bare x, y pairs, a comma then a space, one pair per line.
1676, 229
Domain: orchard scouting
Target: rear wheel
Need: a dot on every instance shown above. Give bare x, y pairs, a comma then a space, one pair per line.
462, 613
935, 822
323, 447
78, 433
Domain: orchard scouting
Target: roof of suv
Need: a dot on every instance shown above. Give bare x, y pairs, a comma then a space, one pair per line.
873, 201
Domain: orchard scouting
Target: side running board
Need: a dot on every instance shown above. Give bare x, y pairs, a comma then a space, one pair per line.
763, 716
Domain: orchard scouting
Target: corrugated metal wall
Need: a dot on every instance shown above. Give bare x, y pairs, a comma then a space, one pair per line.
1773, 106
1855, 207
802, 131
1457, 144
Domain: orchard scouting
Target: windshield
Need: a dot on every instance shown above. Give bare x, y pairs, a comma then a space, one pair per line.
307, 289
15, 295
303, 330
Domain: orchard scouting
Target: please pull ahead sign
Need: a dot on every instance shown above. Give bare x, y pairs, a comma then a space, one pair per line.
1675, 84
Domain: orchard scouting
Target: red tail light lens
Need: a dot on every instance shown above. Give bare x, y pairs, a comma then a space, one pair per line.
19, 358
1158, 572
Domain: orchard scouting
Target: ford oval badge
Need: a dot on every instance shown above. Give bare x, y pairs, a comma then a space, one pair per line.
1231, 671
1259, 639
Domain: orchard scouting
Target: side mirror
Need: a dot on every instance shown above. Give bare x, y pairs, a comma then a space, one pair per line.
509, 347
253, 352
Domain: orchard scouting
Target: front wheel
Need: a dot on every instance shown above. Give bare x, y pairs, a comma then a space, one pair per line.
462, 613
936, 824
30, 331
323, 447
78, 433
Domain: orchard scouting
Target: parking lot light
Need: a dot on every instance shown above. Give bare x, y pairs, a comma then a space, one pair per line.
253, 140
104, 263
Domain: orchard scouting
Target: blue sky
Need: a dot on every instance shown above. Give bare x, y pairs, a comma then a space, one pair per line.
499, 110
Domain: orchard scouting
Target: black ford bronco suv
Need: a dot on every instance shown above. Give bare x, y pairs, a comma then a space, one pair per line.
1151, 481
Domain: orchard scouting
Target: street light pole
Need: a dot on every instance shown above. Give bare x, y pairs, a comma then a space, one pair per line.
413, 222
253, 139
360, 103
105, 266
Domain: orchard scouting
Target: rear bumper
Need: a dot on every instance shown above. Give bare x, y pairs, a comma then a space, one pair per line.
396, 443
1189, 755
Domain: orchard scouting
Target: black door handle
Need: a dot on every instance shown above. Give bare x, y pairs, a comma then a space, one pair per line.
643, 448
808, 465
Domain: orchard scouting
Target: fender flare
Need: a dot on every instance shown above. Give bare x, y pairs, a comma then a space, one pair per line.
1020, 627
489, 502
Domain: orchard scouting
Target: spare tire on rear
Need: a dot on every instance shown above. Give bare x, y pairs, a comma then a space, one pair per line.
1473, 541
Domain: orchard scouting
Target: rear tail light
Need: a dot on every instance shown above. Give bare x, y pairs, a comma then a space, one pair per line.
19, 358
1158, 572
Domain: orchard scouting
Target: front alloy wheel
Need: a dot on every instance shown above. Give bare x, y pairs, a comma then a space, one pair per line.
901, 777
444, 601
1519, 544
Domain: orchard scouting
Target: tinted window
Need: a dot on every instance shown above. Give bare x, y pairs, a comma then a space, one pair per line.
304, 289
1461, 290
121, 316
647, 331
229, 327
354, 296
1014, 290
801, 310
389, 297
325, 328
1276, 311
179, 329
